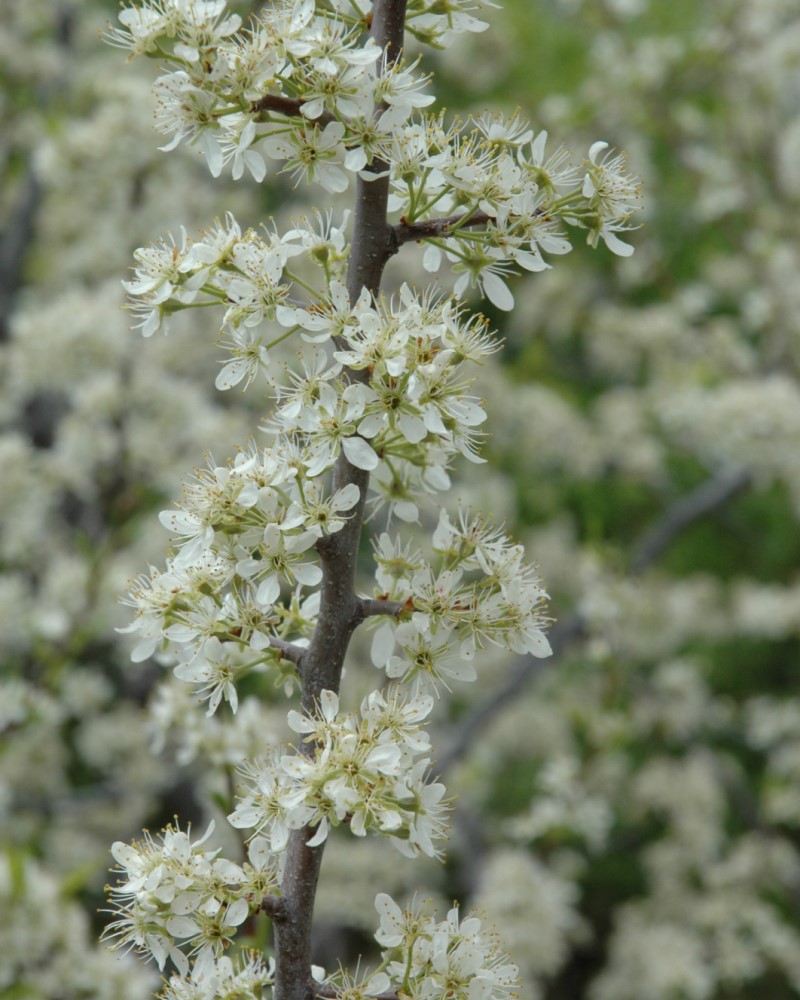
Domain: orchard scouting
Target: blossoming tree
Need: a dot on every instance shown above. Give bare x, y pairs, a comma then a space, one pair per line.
367, 416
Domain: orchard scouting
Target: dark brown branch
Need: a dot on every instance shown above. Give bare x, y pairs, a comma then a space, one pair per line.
288, 650
274, 907
371, 248
292, 107
388, 27
409, 232
709, 496
369, 607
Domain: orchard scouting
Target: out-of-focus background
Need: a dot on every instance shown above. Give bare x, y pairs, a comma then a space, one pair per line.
629, 810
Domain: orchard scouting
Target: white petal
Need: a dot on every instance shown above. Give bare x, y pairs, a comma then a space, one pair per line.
537, 147
616, 245
269, 591
124, 854
347, 497
232, 374
497, 291
412, 428
432, 258
539, 645
213, 157
307, 574
320, 836
359, 453
255, 164
595, 149
329, 703
182, 927
237, 913
259, 852
382, 644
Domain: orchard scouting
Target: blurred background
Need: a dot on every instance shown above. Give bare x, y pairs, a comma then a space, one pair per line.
628, 811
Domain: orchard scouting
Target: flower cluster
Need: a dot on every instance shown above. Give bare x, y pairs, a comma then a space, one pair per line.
501, 201
386, 384
426, 958
231, 92
241, 270
303, 86
366, 770
171, 895
482, 592
223, 979
246, 530
406, 412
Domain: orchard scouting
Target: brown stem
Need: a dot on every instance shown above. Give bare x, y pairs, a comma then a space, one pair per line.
369, 607
371, 248
288, 650
15, 240
292, 107
274, 907
408, 232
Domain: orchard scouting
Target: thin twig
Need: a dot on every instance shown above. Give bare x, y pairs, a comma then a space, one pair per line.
368, 607
709, 496
292, 107
288, 650
324, 658
409, 232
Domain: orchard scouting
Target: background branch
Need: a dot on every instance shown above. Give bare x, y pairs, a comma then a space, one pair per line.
709, 496
15, 239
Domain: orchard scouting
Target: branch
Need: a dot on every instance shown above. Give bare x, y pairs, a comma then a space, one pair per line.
292, 107
408, 232
522, 672
709, 496
704, 499
14, 242
370, 249
274, 907
368, 607
288, 650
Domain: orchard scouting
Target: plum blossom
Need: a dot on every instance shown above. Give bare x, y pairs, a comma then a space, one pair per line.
613, 194
364, 770
367, 415
312, 154
170, 894
430, 958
